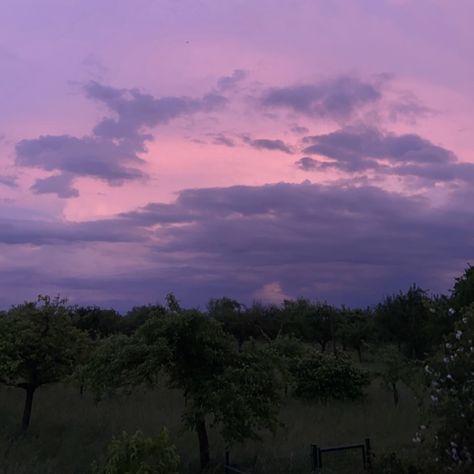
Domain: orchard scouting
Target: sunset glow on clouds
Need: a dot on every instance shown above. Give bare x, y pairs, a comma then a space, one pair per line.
257, 150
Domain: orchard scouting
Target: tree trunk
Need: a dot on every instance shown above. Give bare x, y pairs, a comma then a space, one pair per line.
204, 455
359, 353
396, 396
25, 422
323, 346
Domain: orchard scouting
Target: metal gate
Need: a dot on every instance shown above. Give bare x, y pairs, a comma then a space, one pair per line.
336, 460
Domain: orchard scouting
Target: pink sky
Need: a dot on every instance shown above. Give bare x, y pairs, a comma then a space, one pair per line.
375, 96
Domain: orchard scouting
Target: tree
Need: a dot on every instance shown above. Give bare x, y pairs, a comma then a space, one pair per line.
451, 373
235, 391
323, 377
354, 329
405, 319
462, 294
311, 322
139, 454
396, 369
243, 325
97, 322
38, 345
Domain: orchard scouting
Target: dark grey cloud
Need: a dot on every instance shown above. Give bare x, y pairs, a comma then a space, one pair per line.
46, 232
111, 151
136, 110
338, 98
60, 184
9, 181
308, 164
345, 244
86, 156
368, 149
268, 144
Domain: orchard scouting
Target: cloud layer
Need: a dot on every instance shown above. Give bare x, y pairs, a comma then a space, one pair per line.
111, 152
344, 244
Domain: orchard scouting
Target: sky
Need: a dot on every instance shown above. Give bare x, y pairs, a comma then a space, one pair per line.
256, 150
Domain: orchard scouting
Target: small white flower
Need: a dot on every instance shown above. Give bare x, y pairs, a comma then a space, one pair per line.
451, 311
458, 334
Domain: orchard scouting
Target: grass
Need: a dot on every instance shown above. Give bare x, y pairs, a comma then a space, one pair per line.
68, 432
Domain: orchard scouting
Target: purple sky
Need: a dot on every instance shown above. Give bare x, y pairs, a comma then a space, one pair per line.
255, 149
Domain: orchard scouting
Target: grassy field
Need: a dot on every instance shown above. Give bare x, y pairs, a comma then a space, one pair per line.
68, 432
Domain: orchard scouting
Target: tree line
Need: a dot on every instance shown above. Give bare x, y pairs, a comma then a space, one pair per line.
236, 364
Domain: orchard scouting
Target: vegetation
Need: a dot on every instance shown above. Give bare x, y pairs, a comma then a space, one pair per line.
239, 377
38, 346
141, 455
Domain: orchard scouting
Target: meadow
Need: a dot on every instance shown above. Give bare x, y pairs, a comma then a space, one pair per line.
68, 432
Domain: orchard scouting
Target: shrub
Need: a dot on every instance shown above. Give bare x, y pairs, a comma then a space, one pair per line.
323, 377
138, 454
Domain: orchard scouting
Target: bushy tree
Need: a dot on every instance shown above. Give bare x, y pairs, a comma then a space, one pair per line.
139, 454
323, 377
452, 391
97, 322
38, 345
462, 294
238, 392
242, 324
404, 319
354, 329
396, 369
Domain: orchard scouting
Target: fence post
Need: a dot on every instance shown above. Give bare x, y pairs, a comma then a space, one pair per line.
368, 453
315, 458
227, 462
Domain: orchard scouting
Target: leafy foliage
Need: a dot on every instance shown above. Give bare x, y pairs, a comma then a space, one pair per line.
322, 377
38, 345
452, 384
138, 454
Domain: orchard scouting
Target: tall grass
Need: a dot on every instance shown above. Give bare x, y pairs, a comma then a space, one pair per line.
68, 432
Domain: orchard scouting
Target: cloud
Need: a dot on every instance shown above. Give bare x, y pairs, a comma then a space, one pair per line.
86, 156
230, 82
221, 139
271, 293
308, 164
408, 107
299, 129
60, 184
364, 149
350, 244
337, 99
268, 144
136, 110
9, 181
111, 152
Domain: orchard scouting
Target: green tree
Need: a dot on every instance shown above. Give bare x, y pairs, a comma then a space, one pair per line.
97, 322
238, 392
38, 345
324, 377
405, 319
397, 369
139, 454
355, 329
462, 294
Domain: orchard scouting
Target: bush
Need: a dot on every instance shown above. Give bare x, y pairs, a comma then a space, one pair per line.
138, 454
394, 464
323, 377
